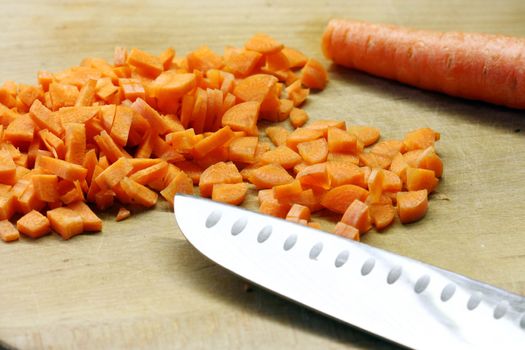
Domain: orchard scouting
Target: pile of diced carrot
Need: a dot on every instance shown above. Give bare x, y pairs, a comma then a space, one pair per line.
105, 134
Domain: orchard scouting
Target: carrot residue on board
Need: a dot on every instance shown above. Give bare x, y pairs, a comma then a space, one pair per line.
116, 134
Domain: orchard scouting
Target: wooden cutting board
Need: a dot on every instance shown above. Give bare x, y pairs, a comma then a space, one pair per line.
139, 284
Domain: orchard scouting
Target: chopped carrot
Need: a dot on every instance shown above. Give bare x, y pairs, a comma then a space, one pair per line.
298, 117
114, 173
66, 222
296, 93
242, 149
286, 191
166, 57
347, 231
375, 185
91, 222
412, 206
75, 143
341, 141
7, 168
264, 44
277, 134
382, 215
313, 152
315, 175
345, 173
204, 59
193, 170
233, 194
255, 87
208, 144
358, 215
146, 175
283, 156
428, 159
8, 232
269, 175
243, 117
7, 205
419, 179
339, 198
314, 75
296, 58
46, 187
122, 214
45, 119
300, 135
33, 224
366, 134
342, 157
62, 169
298, 212
21, 129
138, 193
146, 63
218, 173
241, 62
181, 183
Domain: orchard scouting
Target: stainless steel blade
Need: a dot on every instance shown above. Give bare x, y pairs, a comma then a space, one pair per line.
401, 299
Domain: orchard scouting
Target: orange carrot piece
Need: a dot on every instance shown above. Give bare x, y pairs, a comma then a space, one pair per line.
308, 198
242, 149
171, 85
302, 135
79, 114
277, 134
298, 117
46, 187
243, 117
199, 111
121, 125
295, 57
313, 152
75, 138
53, 143
120, 56
166, 57
296, 93
33, 224
73, 195
340, 141
358, 215
382, 215
63, 169
107, 145
286, 191
132, 89
314, 75
285, 108
90, 220
367, 134
147, 64
7, 168
281, 155
391, 181
151, 115
215, 140
146, 175
8, 232
419, 179
375, 185
44, 118
86, 95
62, 95
233, 194
181, 183
241, 62
113, 174
274, 208
104, 199
339, 198
347, 231
325, 124
138, 193
420, 139
315, 175
7, 205
21, 129
264, 44
298, 212
66, 222
204, 59
122, 214
411, 206
428, 159
345, 173
269, 175
255, 87
218, 173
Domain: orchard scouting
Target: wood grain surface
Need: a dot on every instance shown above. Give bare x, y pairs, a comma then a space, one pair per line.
139, 284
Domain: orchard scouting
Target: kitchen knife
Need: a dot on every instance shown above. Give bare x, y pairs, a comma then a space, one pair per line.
404, 300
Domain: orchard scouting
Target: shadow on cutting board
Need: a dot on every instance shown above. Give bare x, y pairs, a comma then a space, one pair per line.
468, 111
222, 285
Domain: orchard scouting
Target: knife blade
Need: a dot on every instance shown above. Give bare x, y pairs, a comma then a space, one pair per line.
400, 299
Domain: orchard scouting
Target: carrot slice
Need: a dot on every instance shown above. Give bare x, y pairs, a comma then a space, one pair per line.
420, 139
241, 62
339, 198
428, 159
277, 134
218, 173
45, 119
210, 143
296, 58
345, 173
66, 222
33, 224
21, 129
243, 117
274, 208
255, 87
121, 125
411, 206
8, 232
62, 169
166, 57
242, 149
91, 222
315, 175
233, 194
358, 215
298, 117
286, 191
264, 44
181, 183
204, 59
138, 193
347, 231
86, 95
193, 170
7, 168
314, 75
382, 215
75, 143
113, 174
147, 64
7, 205
296, 93
302, 135
375, 185
269, 175
46, 187
366, 134
298, 212
419, 179
313, 152
122, 214
283, 156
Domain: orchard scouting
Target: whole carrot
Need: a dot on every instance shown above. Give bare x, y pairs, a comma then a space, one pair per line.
476, 66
